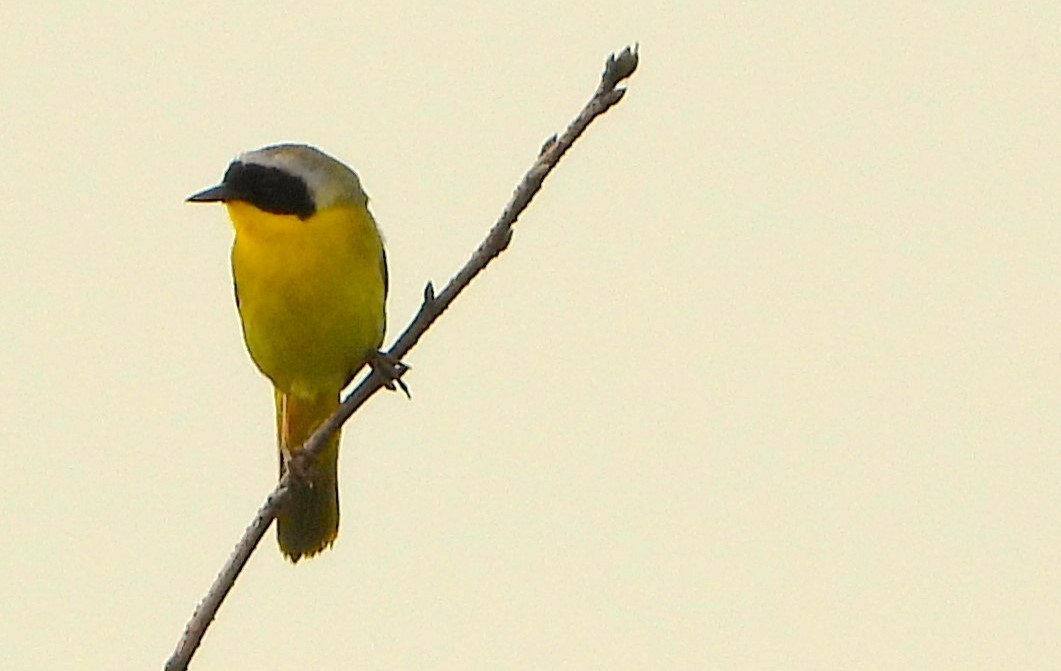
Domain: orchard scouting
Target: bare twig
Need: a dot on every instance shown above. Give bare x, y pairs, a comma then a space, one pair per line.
617, 68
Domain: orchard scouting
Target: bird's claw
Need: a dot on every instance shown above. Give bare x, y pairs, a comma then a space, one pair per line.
295, 467
391, 371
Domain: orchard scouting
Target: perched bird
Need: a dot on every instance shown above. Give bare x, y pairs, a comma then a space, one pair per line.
311, 279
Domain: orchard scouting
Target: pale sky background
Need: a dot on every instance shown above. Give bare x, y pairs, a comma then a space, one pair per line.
769, 378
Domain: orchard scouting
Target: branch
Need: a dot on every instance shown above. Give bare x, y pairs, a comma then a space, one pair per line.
616, 69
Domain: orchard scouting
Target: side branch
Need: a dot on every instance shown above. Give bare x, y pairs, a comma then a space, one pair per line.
617, 68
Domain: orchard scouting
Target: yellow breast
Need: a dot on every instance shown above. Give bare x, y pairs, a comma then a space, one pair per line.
310, 294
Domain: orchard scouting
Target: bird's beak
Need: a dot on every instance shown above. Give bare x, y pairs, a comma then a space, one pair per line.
214, 194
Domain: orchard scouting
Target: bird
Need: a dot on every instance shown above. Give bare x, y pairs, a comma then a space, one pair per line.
310, 277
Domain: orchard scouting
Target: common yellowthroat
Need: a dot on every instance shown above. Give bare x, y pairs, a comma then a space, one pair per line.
310, 276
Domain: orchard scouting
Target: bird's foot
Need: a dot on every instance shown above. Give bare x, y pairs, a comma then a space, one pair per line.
296, 467
391, 371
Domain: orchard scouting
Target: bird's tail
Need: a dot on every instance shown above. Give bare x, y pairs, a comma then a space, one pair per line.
309, 521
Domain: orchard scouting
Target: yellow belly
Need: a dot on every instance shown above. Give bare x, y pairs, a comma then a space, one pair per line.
310, 294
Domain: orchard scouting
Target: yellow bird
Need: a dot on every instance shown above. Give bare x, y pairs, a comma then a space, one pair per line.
311, 280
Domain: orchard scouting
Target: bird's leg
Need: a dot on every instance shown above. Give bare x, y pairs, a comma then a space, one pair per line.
287, 458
